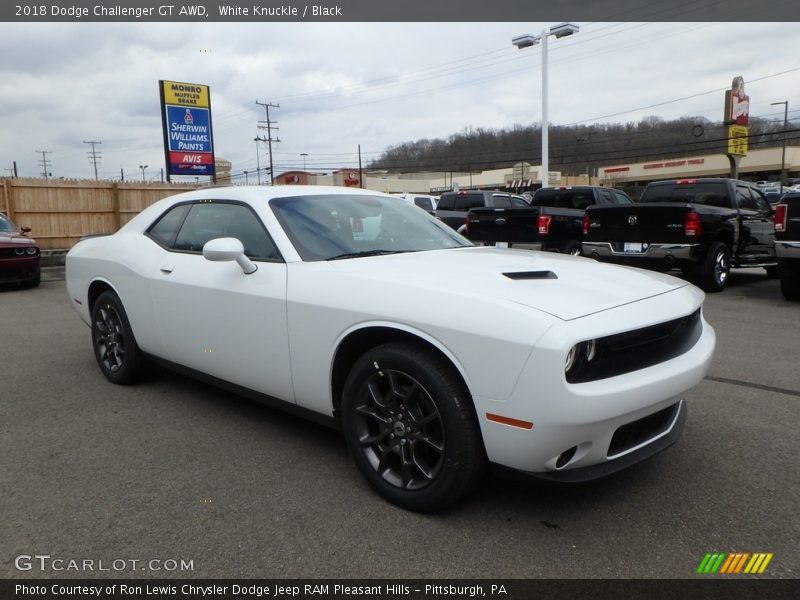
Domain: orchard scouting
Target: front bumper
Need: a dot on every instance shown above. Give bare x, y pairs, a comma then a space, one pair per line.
575, 427
666, 252
24, 268
784, 249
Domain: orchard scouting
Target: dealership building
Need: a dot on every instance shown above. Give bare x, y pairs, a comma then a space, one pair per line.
758, 165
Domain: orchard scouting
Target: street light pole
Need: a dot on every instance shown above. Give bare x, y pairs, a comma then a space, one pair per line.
258, 158
785, 123
143, 167
524, 41
304, 154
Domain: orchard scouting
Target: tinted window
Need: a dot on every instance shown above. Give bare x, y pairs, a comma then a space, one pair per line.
621, 198
519, 202
606, 197
166, 228
502, 201
762, 204
579, 199
744, 199
207, 221
446, 202
423, 202
467, 201
712, 193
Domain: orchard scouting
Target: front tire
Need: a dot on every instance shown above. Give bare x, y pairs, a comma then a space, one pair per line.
790, 288
411, 428
715, 269
115, 348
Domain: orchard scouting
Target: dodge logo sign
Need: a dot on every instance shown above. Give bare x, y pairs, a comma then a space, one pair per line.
632, 220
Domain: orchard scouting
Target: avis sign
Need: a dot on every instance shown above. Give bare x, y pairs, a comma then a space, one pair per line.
186, 119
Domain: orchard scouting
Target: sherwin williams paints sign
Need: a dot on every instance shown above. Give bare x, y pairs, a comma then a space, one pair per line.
186, 117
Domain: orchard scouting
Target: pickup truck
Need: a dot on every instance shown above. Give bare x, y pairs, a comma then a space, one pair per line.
787, 244
552, 222
453, 206
702, 226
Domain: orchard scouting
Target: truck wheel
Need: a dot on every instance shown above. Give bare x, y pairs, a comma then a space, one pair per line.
790, 287
411, 428
772, 272
573, 248
716, 267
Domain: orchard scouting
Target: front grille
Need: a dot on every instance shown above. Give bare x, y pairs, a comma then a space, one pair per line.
638, 349
14, 252
640, 431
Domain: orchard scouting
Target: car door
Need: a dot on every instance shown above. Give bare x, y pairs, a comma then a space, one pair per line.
754, 223
214, 318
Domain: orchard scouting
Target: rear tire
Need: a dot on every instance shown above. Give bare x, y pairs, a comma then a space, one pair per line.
715, 269
115, 348
411, 428
573, 248
772, 272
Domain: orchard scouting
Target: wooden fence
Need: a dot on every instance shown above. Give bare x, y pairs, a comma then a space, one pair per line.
60, 211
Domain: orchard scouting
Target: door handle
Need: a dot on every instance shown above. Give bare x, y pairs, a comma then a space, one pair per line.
167, 268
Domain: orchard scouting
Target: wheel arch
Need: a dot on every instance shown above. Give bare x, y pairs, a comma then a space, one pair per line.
726, 237
97, 287
354, 343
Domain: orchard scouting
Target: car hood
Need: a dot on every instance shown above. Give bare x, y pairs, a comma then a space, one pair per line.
566, 287
14, 239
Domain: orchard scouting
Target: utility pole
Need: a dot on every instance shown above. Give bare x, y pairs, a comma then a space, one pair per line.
783, 151
258, 156
15, 169
360, 173
269, 127
94, 157
121, 174
43, 162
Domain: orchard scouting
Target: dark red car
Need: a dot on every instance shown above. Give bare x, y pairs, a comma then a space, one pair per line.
19, 254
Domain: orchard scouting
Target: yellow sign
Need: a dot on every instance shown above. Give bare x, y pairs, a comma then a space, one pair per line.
185, 94
737, 140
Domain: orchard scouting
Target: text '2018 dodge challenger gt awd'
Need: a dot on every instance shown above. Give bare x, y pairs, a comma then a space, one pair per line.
433, 356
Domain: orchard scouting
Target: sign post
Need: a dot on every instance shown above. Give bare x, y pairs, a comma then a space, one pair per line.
736, 119
186, 120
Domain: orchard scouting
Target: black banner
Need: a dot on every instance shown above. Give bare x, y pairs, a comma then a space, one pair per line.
447, 589
397, 10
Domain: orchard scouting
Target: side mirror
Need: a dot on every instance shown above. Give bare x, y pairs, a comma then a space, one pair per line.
228, 249
25, 229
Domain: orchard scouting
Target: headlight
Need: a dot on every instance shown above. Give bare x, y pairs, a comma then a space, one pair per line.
572, 358
580, 354
32, 250
19, 251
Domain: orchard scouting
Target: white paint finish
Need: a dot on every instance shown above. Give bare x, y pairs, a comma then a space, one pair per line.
277, 330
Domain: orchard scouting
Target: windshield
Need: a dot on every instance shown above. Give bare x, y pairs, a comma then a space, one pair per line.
6, 225
332, 226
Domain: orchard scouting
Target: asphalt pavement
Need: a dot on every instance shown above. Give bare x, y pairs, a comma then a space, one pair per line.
172, 469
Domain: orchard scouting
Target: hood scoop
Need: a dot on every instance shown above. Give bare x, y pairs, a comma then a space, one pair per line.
531, 275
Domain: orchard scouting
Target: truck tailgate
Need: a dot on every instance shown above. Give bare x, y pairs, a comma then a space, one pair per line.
650, 222
515, 225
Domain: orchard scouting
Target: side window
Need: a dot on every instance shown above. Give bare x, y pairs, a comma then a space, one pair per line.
501, 201
606, 197
445, 203
621, 198
423, 202
519, 203
761, 203
166, 228
744, 199
207, 221
462, 203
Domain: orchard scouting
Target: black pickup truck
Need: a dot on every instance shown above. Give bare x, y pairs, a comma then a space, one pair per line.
452, 207
552, 222
787, 244
702, 226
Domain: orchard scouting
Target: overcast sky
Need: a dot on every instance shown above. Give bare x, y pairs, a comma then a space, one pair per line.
374, 84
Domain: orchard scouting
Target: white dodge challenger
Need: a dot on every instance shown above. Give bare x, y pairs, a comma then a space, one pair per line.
436, 358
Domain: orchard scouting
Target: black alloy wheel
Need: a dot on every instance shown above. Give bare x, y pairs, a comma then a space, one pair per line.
716, 268
115, 347
411, 428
